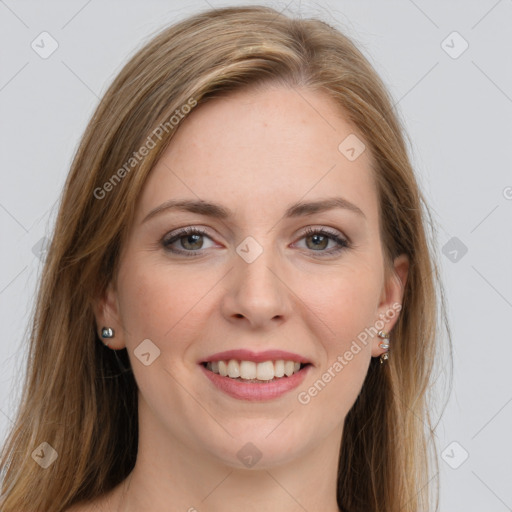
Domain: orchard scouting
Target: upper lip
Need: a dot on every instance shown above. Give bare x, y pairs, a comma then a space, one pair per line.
257, 357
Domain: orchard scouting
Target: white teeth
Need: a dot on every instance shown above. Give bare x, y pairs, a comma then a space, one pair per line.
265, 371
233, 369
223, 368
288, 368
279, 368
249, 370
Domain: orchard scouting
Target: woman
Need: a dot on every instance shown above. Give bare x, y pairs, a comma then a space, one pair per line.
238, 309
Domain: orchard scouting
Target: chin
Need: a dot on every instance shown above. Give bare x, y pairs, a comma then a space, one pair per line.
260, 443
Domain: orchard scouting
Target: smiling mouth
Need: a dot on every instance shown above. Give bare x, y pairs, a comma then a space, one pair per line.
251, 372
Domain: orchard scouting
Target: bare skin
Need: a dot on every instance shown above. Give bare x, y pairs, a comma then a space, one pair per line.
255, 153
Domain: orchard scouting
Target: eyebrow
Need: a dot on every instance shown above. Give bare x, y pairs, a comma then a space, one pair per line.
221, 212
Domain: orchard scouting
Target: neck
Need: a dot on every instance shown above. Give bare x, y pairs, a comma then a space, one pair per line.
169, 472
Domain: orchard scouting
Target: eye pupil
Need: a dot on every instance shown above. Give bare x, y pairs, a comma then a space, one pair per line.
319, 238
196, 237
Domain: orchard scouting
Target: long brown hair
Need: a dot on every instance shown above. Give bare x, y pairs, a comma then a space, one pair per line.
81, 397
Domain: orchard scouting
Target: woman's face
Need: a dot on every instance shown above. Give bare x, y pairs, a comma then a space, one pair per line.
253, 279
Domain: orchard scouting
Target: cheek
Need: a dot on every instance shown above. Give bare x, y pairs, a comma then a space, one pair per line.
155, 301
345, 300
346, 306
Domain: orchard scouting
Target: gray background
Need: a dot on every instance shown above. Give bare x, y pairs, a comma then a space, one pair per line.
457, 109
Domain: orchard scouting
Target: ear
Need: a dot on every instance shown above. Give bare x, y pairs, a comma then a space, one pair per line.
391, 300
106, 313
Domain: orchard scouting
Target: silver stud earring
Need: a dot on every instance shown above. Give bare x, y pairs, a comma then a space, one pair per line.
107, 333
385, 345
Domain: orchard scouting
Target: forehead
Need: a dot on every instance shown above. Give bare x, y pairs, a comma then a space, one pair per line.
254, 150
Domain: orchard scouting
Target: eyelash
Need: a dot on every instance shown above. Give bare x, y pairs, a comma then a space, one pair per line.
342, 243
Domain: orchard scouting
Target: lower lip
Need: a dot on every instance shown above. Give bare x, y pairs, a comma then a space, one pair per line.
255, 391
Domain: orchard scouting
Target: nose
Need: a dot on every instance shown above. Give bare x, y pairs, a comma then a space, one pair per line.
257, 294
